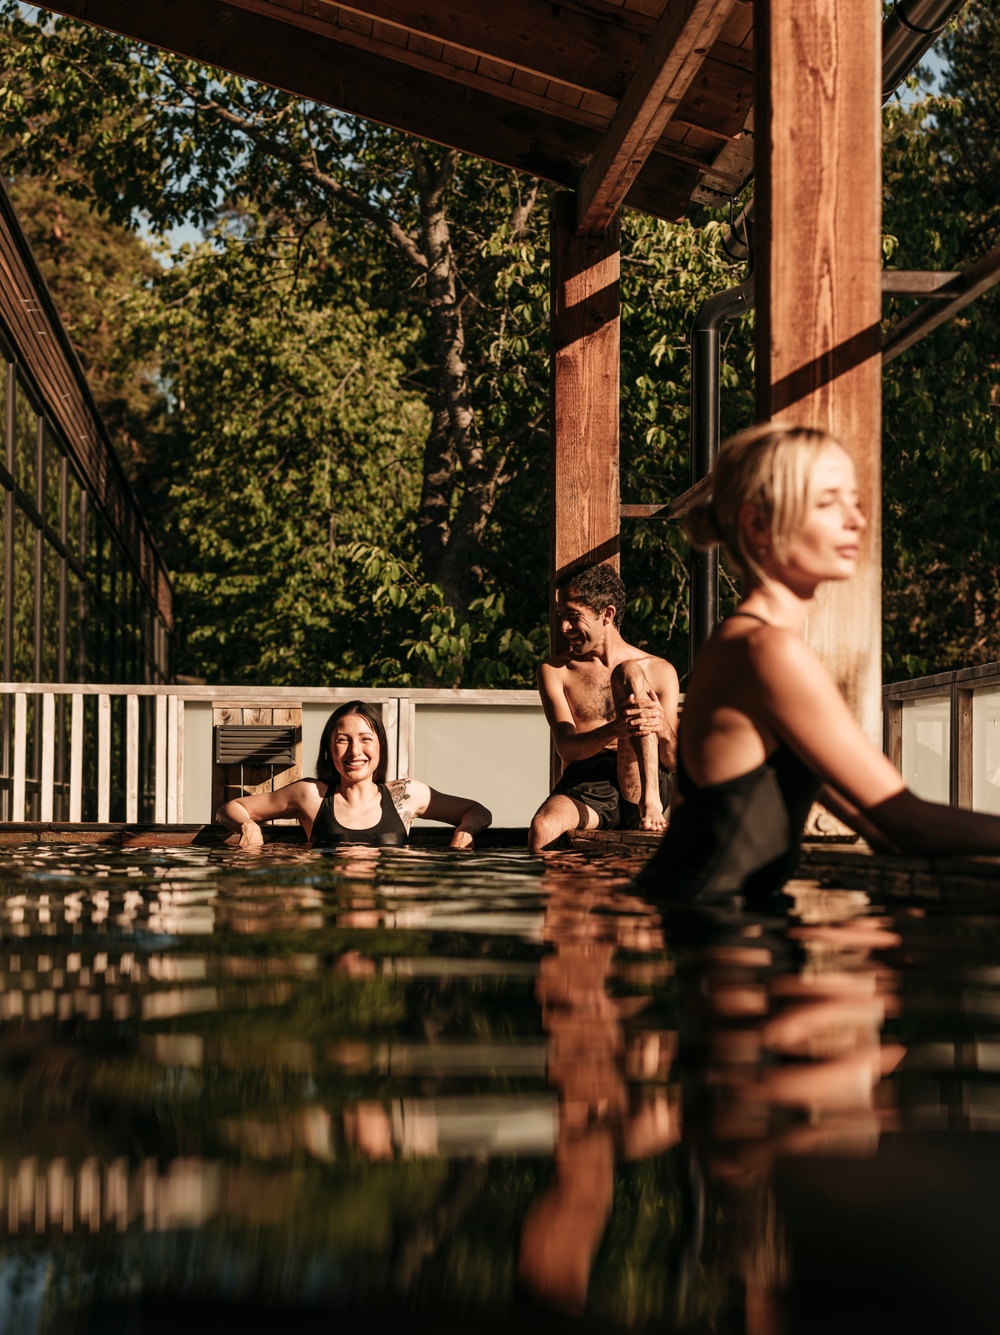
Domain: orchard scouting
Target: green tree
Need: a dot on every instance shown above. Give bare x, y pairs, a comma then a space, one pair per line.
941, 433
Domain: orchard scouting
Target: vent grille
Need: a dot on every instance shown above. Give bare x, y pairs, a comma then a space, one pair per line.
249, 744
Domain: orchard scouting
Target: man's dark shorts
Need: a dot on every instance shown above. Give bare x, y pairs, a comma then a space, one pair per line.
594, 781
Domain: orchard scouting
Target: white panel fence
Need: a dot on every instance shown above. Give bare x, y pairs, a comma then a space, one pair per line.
75, 752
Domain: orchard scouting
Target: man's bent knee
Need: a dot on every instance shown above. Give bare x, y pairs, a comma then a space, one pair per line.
629, 678
556, 817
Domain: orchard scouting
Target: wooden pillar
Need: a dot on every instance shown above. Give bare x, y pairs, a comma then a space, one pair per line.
818, 280
586, 509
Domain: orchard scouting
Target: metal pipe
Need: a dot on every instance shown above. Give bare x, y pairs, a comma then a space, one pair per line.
908, 34
706, 358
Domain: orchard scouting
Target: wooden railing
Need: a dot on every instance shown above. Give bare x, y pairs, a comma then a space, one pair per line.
958, 760
99, 753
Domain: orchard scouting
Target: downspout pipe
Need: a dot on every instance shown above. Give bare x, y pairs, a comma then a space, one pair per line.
908, 34
706, 361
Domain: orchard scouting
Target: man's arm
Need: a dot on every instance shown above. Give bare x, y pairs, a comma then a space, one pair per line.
571, 743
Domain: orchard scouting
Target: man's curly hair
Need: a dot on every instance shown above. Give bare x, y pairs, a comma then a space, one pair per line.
597, 587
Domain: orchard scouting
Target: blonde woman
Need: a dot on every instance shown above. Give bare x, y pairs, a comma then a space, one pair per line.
765, 729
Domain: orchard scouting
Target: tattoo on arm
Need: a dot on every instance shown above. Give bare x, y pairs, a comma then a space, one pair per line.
399, 791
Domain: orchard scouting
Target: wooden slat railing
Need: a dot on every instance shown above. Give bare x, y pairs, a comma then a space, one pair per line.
76, 751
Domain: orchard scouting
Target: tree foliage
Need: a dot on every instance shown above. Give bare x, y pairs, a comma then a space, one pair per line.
342, 393
941, 430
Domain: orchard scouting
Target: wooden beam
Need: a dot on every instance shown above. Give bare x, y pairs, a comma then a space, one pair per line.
585, 390
669, 64
819, 280
966, 287
918, 283
590, 48
379, 89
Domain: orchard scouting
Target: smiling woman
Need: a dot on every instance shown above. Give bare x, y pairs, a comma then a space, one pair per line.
349, 800
765, 728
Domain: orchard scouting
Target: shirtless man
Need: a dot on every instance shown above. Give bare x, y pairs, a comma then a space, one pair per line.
613, 714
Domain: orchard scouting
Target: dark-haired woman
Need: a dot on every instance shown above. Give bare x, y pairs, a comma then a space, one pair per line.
349, 800
765, 728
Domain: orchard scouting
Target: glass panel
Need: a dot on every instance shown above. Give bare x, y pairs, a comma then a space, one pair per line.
51, 569
25, 587
927, 747
986, 749
73, 500
51, 500
4, 365
72, 666
25, 443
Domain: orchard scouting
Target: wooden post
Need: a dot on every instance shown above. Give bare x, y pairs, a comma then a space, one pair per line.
585, 372
819, 280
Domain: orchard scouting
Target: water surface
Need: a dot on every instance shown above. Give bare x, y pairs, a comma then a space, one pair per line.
474, 1090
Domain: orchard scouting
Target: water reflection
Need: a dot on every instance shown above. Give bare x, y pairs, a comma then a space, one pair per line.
401, 1082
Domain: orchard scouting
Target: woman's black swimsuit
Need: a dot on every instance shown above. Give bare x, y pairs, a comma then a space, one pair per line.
733, 840
390, 829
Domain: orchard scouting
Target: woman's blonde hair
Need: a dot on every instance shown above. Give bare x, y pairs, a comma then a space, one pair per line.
768, 467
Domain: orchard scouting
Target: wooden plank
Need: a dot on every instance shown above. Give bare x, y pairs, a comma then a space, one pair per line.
379, 88
132, 758
819, 282
669, 64
20, 754
407, 738
893, 731
76, 758
919, 282
180, 759
103, 758
961, 748
969, 285
160, 787
390, 721
172, 756
562, 43
584, 391
48, 771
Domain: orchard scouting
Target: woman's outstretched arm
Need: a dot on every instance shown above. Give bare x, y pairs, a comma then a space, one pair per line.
243, 814
467, 815
802, 705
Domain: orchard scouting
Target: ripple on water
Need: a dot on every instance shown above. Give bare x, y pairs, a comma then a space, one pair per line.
475, 1086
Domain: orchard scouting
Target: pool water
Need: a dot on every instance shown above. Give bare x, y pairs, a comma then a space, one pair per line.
485, 1090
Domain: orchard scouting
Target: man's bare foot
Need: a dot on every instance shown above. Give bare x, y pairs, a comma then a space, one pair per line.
653, 820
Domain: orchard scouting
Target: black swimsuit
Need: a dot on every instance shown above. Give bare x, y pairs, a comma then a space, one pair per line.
734, 839
390, 829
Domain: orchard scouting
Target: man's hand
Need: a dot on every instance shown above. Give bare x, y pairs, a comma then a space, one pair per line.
641, 719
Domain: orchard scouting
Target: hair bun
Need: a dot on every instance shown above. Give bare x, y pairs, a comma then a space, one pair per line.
701, 524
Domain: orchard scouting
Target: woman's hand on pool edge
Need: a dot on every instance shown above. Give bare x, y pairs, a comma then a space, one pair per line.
251, 835
462, 839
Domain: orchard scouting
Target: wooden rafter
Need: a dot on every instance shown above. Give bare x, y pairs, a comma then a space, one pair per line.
963, 289
544, 143
670, 63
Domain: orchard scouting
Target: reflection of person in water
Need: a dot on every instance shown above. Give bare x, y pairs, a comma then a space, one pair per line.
765, 727
349, 801
590, 1062
781, 1043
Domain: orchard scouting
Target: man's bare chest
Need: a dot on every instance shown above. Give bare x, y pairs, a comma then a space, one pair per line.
589, 694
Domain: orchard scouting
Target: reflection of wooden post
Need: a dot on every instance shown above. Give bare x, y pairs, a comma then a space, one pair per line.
818, 279
585, 370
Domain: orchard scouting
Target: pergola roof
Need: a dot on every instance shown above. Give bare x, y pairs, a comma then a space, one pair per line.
622, 100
